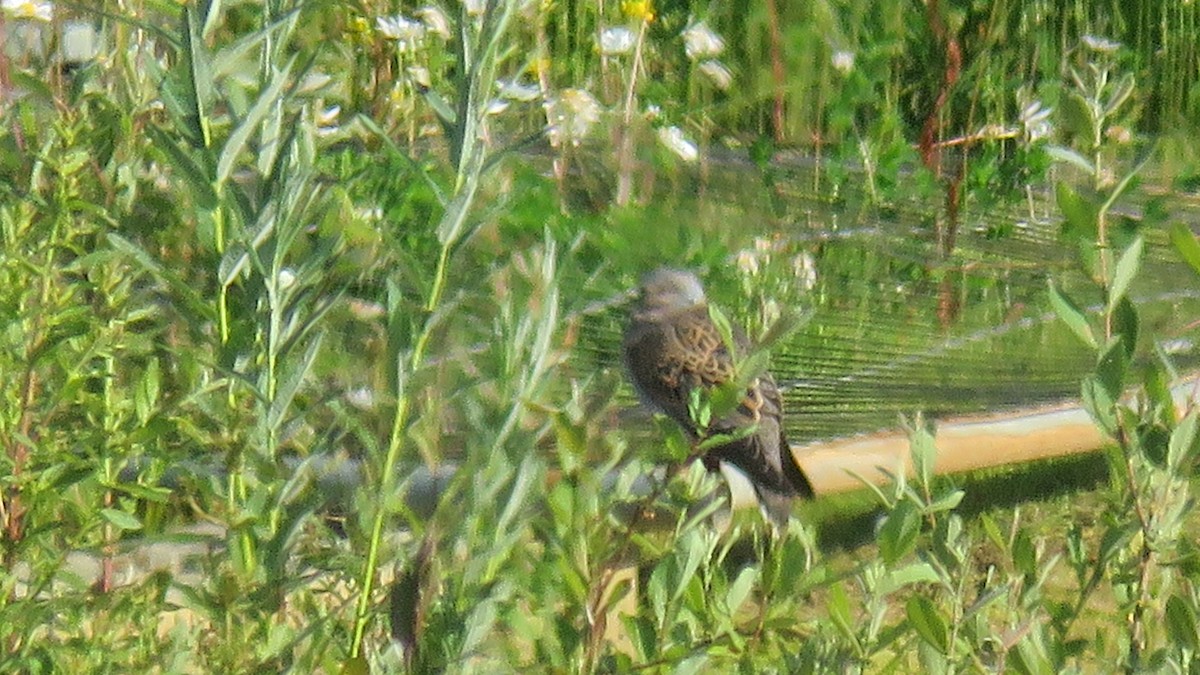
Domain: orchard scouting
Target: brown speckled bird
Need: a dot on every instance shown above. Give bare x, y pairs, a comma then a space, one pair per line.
672, 346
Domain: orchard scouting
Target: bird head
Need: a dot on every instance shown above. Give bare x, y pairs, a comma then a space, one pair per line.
669, 290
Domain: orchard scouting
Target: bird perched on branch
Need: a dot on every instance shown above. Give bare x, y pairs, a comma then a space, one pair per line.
672, 346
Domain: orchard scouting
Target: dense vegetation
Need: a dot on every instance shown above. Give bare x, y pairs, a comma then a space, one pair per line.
291, 268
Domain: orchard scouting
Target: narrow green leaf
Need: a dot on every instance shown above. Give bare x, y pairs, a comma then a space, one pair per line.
1099, 404
1112, 368
196, 175
1126, 270
1120, 93
1182, 446
1071, 315
1125, 325
291, 384
1181, 623
1069, 156
121, 520
240, 138
198, 89
928, 623
1187, 245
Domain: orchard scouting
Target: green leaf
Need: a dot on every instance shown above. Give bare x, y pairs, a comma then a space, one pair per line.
1071, 157
1024, 554
1181, 623
923, 453
916, 573
240, 138
198, 81
838, 606
1126, 270
1113, 367
196, 176
1077, 116
1080, 214
898, 535
1071, 315
740, 588
928, 623
1125, 326
1187, 245
1120, 93
121, 519
1181, 449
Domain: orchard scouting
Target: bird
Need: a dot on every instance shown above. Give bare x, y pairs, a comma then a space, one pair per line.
672, 346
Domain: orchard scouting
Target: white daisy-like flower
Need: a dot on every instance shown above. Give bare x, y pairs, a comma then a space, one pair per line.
435, 20
571, 115
702, 42
1100, 44
676, 142
406, 32
653, 111
616, 41
843, 61
514, 90
718, 73
38, 10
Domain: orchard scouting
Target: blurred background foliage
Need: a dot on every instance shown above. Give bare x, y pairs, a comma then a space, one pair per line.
312, 307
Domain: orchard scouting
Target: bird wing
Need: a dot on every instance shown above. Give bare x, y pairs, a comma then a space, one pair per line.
669, 356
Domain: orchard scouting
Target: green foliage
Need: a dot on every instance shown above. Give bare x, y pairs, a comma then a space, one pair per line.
342, 359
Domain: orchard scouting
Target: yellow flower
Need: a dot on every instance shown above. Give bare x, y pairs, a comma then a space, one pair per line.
639, 9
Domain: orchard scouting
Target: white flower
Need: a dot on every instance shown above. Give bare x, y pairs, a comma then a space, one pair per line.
843, 61
747, 261
616, 41
362, 398
78, 43
286, 278
1036, 121
718, 73
406, 32
571, 115
1101, 44
653, 111
805, 270
676, 142
435, 20
701, 42
38, 10
474, 7
516, 91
